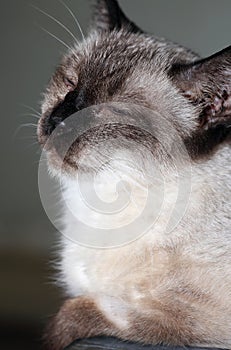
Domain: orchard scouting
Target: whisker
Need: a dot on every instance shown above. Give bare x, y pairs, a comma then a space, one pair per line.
74, 17
30, 138
40, 160
32, 145
29, 115
29, 125
31, 108
55, 37
25, 139
24, 126
55, 20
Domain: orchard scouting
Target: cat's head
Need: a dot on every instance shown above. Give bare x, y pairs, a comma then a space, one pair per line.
118, 65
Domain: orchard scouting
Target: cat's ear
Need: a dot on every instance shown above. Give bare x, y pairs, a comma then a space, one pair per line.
207, 84
109, 16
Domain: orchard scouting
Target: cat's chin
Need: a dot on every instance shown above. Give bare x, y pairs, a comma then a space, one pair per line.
58, 168
70, 167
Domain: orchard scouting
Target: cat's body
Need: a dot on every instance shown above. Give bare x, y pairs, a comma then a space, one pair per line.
163, 287
178, 283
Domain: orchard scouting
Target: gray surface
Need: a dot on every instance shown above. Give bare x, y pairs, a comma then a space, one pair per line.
114, 344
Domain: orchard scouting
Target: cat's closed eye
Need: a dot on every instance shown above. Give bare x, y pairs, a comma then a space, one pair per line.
70, 83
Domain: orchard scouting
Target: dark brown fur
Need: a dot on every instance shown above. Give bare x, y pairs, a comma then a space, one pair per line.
77, 318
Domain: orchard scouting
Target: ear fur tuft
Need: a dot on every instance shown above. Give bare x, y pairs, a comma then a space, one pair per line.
108, 16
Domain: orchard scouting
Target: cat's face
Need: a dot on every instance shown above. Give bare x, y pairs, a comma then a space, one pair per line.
118, 64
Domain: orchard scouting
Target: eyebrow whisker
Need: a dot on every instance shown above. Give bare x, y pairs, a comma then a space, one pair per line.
55, 37
74, 17
55, 20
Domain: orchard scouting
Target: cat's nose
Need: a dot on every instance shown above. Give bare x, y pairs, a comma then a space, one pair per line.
73, 102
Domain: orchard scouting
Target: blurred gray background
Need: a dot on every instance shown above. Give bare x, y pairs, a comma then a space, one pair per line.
28, 57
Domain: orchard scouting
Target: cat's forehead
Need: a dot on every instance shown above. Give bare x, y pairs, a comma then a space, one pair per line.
105, 62
110, 52
112, 49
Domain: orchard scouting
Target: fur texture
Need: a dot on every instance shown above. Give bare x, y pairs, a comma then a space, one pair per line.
172, 288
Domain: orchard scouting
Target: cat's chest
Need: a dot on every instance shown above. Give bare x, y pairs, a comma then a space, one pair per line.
96, 271
75, 270
107, 247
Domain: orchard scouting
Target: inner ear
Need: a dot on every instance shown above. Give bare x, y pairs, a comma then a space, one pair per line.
109, 16
207, 84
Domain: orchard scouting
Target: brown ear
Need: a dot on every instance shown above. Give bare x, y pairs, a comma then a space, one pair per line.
207, 84
109, 16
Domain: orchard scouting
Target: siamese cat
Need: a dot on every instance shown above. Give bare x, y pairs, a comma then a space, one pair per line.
162, 287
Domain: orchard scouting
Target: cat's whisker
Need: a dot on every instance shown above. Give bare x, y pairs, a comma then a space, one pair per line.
30, 138
31, 108
57, 21
30, 115
40, 161
27, 125
33, 144
55, 37
74, 17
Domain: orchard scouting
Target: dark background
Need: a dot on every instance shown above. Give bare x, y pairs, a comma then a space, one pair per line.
28, 57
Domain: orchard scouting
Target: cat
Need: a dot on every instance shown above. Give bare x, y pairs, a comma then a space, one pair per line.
161, 287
